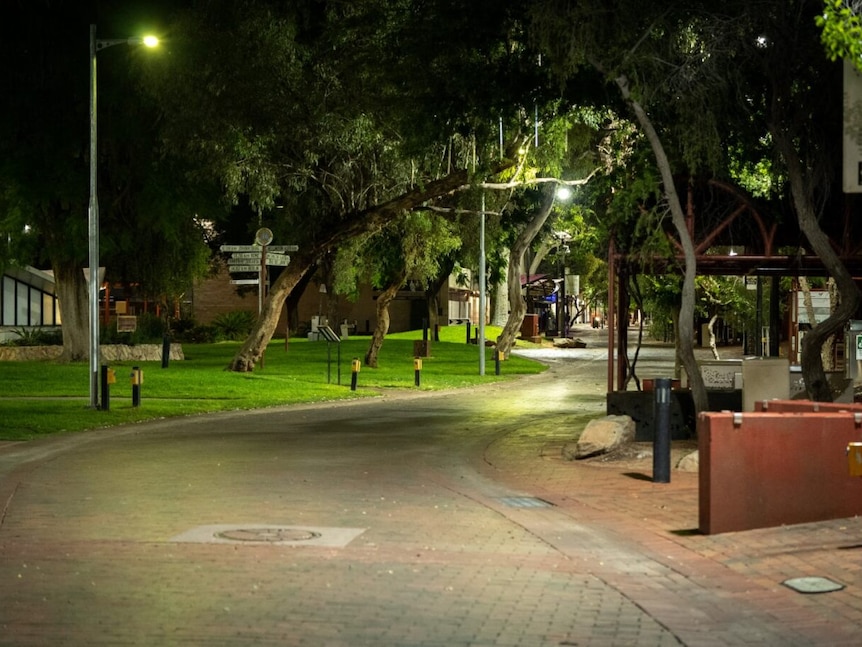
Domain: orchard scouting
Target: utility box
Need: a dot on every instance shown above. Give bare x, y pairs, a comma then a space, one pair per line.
764, 379
530, 326
422, 348
853, 350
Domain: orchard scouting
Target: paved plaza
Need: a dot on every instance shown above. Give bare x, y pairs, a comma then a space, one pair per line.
417, 518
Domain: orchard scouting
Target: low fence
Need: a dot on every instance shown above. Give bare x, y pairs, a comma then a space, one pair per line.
768, 469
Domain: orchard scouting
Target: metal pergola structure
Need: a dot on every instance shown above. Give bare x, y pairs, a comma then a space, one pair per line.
759, 243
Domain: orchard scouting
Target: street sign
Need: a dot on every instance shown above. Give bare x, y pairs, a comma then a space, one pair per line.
245, 281
283, 248
278, 259
246, 256
858, 346
240, 248
243, 268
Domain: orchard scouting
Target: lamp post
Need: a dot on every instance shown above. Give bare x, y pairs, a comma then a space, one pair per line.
93, 210
562, 316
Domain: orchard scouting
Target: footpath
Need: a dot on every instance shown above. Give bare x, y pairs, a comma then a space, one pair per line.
416, 520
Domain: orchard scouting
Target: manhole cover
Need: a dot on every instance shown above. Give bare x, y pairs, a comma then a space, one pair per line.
267, 534
813, 585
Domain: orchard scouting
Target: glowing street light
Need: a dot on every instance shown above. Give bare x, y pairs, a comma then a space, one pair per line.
93, 211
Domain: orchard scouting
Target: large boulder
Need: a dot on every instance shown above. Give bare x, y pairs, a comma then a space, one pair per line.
601, 436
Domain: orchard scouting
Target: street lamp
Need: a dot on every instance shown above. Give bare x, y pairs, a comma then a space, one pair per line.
93, 211
562, 316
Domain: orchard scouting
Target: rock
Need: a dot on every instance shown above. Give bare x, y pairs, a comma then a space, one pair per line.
601, 436
564, 342
689, 462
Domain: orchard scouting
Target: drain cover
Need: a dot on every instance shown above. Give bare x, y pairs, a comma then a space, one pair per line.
524, 502
268, 534
813, 585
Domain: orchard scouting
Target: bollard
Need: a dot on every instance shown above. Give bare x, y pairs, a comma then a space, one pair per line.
137, 381
661, 442
468, 331
108, 378
417, 370
436, 332
498, 357
354, 365
166, 351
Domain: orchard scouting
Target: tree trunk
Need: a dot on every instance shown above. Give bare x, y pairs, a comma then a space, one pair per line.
712, 345
813, 373
685, 336
382, 327
517, 305
255, 345
502, 300
432, 294
827, 354
74, 308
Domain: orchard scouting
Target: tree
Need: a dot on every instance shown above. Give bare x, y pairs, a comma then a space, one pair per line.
408, 248
316, 108
644, 51
794, 94
147, 230
517, 306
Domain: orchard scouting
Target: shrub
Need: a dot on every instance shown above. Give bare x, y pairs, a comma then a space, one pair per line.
235, 325
36, 337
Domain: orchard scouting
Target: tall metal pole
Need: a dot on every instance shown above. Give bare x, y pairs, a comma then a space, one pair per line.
93, 211
481, 343
93, 235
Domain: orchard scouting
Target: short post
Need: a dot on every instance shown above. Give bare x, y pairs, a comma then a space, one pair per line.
417, 370
354, 365
436, 332
137, 380
498, 357
468, 331
424, 329
661, 442
108, 378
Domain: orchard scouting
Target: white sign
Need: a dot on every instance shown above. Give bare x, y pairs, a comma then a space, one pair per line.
283, 248
240, 248
245, 281
243, 268
247, 256
278, 259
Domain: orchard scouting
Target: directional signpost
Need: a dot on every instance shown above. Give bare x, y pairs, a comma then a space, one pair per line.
255, 258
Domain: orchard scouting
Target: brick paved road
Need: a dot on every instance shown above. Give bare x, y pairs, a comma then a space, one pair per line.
448, 554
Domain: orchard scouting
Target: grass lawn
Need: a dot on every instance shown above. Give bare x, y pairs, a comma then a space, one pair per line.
40, 398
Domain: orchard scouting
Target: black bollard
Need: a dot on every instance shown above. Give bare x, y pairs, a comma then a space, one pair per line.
498, 356
137, 380
107, 374
661, 442
417, 371
468, 332
166, 351
355, 364
436, 332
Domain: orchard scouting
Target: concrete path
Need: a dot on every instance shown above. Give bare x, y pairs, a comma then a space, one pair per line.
418, 519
